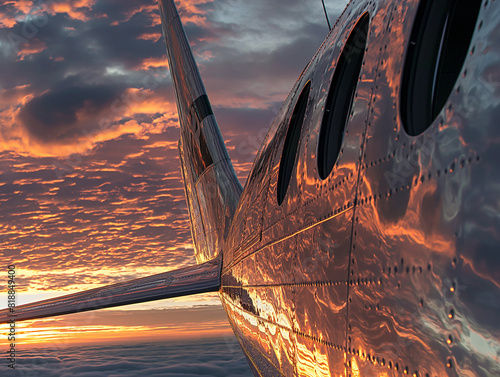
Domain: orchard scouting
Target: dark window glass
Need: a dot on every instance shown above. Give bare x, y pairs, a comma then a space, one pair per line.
439, 42
292, 142
340, 97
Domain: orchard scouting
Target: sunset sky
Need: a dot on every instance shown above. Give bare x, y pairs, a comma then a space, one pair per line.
90, 184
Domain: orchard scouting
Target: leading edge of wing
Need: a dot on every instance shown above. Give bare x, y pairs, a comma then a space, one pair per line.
186, 281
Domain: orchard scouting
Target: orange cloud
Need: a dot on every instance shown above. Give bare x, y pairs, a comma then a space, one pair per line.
191, 13
150, 36
153, 63
150, 10
115, 121
22, 6
205, 55
33, 46
6, 21
15, 96
75, 9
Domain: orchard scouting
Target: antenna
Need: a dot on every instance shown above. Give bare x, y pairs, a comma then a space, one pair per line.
326, 15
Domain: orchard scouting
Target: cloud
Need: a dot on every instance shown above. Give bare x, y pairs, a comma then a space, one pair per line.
151, 36
218, 355
65, 113
33, 46
74, 9
121, 12
126, 203
12, 9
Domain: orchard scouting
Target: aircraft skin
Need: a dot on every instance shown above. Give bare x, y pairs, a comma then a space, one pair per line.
366, 239
389, 265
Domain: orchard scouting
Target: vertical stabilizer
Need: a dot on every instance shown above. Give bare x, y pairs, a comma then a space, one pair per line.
212, 188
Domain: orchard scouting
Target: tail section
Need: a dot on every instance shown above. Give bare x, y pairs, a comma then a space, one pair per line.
211, 186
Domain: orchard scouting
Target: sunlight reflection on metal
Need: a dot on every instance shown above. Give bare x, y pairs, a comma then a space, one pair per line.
354, 368
379, 265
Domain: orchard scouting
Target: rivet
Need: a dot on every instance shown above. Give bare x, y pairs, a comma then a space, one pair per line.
451, 314
452, 288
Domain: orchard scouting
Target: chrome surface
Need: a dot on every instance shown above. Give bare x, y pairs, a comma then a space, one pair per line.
390, 266
182, 282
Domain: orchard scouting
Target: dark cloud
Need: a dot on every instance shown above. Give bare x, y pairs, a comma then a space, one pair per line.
54, 116
74, 46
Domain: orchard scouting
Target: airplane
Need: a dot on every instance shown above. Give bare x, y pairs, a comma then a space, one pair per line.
365, 241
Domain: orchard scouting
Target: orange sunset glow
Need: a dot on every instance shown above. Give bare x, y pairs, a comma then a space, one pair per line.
90, 183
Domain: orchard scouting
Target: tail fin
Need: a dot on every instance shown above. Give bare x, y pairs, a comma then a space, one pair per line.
212, 188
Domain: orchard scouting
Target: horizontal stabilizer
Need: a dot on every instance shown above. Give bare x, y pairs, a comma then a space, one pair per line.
182, 282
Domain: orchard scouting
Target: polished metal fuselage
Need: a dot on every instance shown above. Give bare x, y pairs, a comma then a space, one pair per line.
391, 265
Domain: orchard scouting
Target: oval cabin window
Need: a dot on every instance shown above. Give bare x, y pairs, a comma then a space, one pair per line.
292, 143
439, 42
340, 97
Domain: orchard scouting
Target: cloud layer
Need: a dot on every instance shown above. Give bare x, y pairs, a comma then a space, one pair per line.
218, 357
